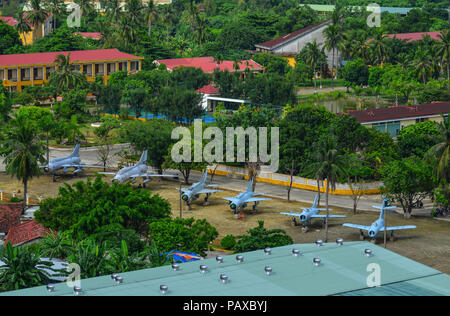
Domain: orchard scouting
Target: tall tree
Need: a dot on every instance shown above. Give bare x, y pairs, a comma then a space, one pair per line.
151, 14
23, 152
441, 151
37, 15
55, 8
22, 25
312, 56
65, 77
333, 39
443, 50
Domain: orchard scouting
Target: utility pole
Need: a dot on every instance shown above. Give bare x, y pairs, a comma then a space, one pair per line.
181, 203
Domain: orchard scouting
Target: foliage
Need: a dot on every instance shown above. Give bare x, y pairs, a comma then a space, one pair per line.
8, 37
228, 242
91, 257
417, 139
407, 181
356, 72
56, 245
187, 235
84, 208
259, 238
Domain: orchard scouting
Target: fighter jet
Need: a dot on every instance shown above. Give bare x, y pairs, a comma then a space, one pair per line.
192, 193
239, 202
378, 225
310, 213
71, 161
139, 170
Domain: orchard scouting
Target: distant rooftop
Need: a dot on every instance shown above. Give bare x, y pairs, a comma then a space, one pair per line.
93, 35
401, 112
26, 232
208, 65
410, 37
343, 270
330, 8
288, 37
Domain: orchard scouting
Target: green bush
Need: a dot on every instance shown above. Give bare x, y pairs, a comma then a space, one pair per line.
228, 242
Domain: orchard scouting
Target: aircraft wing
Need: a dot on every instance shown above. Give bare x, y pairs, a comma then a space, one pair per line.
399, 227
205, 191
329, 216
291, 214
80, 166
158, 175
108, 173
356, 226
230, 199
256, 199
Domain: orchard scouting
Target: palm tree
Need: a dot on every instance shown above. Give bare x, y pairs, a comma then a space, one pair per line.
65, 78
23, 153
113, 8
312, 56
55, 8
333, 39
443, 50
379, 47
422, 64
151, 14
56, 245
37, 15
22, 25
86, 8
168, 17
134, 12
22, 268
329, 165
441, 151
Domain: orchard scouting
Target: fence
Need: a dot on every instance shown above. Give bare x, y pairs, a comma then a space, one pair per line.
298, 182
6, 197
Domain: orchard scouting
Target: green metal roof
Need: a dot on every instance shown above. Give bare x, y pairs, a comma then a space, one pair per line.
330, 8
343, 271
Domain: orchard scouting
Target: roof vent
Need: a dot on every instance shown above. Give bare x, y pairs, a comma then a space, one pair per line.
319, 242
267, 251
295, 252
224, 278
163, 289
77, 290
114, 276
219, 259
51, 287
339, 241
175, 266
316, 262
203, 268
368, 253
268, 270
239, 258
119, 279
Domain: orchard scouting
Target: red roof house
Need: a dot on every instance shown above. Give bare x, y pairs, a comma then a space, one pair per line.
9, 215
209, 89
75, 56
208, 65
393, 113
8, 20
26, 232
93, 35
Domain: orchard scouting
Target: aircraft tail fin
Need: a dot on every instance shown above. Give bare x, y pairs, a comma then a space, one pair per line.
250, 186
204, 176
76, 151
143, 158
316, 199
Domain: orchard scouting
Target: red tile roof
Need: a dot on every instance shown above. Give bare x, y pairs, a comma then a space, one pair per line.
209, 89
208, 65
93, 35
411, 37
286, 38
26, 232
75, 56
8, 20
393, 113
9, 215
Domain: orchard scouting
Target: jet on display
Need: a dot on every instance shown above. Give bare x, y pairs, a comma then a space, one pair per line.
192, 193
71, 161
310, 213
139, 170
240, 201
378, 225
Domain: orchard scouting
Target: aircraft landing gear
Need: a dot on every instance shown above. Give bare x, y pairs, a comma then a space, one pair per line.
324, 223
391, 237
254, 207
373, 241
53, 177
294, 221
361, 235
205, 202
305, 229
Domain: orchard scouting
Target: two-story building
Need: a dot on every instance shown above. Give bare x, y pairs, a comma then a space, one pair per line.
20, 70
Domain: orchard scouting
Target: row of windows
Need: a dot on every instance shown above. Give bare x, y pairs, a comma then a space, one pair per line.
38, 72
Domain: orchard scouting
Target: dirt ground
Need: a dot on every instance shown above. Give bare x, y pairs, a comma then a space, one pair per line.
428, 244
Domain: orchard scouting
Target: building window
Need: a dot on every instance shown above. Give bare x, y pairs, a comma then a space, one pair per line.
110, 68
123, 66
420, 120
49, 70
12, 75
75, 67
2, 74
133, 66
38, 73
87, 70
99, 69
25, 74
